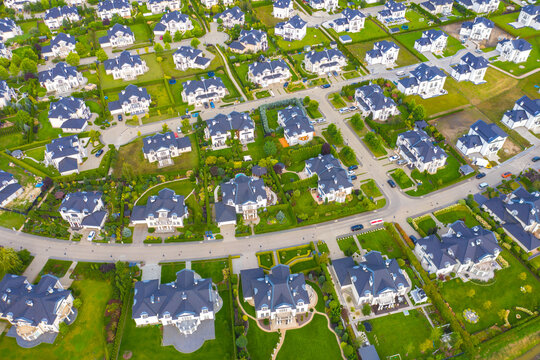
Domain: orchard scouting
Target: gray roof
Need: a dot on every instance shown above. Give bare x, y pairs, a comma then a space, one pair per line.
175, 16
488, 132
282, 4
295, 121
81, 201
518, 44
224, 213
67, 164
108, 5
243, 189
193, 54
470, 141
479, 20
475, 62
94, 219
257, 170
424, 72
419, 140
164, 141
368, 353
62, 147
251, 37
61, 70
191, 86
433, 34
6, 190
124, 59
60, 12
68, 39
524, 205
5, 177
222, 124
257, 68
65, 107
531, 9
132, 91
352, 14
394, 6
165, 201
531, 106
371, 97
116, 31
7, 25
295, 22
330, 173
325, 55
384, 45
233, 12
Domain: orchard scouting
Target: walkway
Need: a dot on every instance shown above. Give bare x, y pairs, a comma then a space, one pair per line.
66, 280
229, 73
33, 270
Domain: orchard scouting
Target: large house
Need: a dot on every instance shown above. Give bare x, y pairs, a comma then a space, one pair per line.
384, 52
416, 147
350, 20
18, 5
65, 154
187, 57
374, 281
172, 22
246, 194
125, 66
333, 184
433, 41
480, 6
219, 128
163, 212
35, 311
132, 100
480, 29
464, 251
526, 113
186, 308
393, 13
197, 92
161, 6
282, 9
54, 18
293, 29
370, 100
484, 139
517, 51
210, 3
250, 41
530, 17
108, 8
324, 61
69, 114
84, 209
117, 36
61, 78
6, 94
278, 296
436, 7
231, 17
326, 5
61, 45
5, 52
9, 188
268, 72
163, 147
9, 29
426, 81
470, 68
296, 126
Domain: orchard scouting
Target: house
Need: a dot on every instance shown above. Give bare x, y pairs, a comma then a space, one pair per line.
526, 113
6, 94
250, 41
219, 128
187, 57
479, 29
426, 81
326, 5
69, 114
107, 8
370, 100
278, 296
384, 52
9, 29
186, 308
282, 9
324, 61
18, 5
433, 41
65, 154
117, 36
61, 45
350, 20
5, 52
293, 29
393, 13
268, 72
470, 68
416, 147
132, 100
197, 92
163, 147
225, 214
374, 281
210, 3
368, 352
436, 7
35, 311
231, 17
163, 212
333, 184
529, 16
84, 210
61, 78
9, 188
172, 22
75, 2
55, 17
484, 139
517, 51
125, 66
480, 6
467, 252
161, 6
246, 194
296, 126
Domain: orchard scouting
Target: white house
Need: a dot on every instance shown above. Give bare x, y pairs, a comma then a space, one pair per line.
268, 72
108, 8
75, 2
470, 68
197, 92
246, 194
433, 41
65, 154
61, 78
393, 13
132, 100
416, 147
163, 212
10, 188
164, 147
334, 184
172, 22
117, 36
161, 6
250, 41
436, 7
231, 17
187, 57
324, 61
55, 17
69, 114
219, 128
370, 100
18, 5
326, 5
9, 29
84, 209
526, 113
426, 81
210, 3
296, 126
293, 29
384, 52
282, 9
530, 16
5, 52
517, 51
125, 66
350, 20
61, 45
480, 6
6, 94
480, 29
484, 139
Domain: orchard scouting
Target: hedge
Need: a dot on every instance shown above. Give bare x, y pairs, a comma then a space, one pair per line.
121, 325
24, 165
301, 184
277, 104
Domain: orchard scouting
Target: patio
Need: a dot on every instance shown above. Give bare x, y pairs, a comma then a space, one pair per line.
189, 343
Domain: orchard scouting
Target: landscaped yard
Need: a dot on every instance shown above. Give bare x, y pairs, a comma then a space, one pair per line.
459, 212
260, 343
169, 68
416, 20
54, 267
180, 187
159, 95
169, 270
370, 31
264, 13
533, 61
10, 219
382, 241
453, 45
402, 179
448, 175
443, 103
503, 21
313, 37
210, 269
153, 74
408, 39
286, 255
348, 245
426, 224
266, 259
370, 189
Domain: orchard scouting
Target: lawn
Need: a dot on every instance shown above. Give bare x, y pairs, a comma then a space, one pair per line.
315, 340
503, 21
426, 224
264, 14
448, 175
153, 74
266, 259
286, 255
504, 292
84, 339
496, 84
46, 131
408, 39
453, 45
443, 103
10, 219
11, 141
169, 270
159, 95
370, 31
180, 187
348, 245
359, 50
54, 267
313, 37
377, 151
401, 178
459, 212
370, 189
380, 240
260, 343
210, 269
169, 68
533, 61
392, 334
416, 20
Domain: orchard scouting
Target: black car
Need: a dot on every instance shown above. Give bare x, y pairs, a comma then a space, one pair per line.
353, 167
206, 105
413, 239
391, 183
186, 116
119, 117
480, 175
357, 227
536, 158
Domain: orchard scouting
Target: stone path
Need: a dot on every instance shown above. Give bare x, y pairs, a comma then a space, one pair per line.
32, 271
66, 280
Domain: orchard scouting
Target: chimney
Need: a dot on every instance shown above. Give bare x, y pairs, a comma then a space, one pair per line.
29, 303
152, 298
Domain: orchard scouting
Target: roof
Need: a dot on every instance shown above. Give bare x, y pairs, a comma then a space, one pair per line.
368, 353
257, 170
479, 21
166, 201
524, 206
164, 141
295, 122
251, 37
425, 149
68, 39
67, 164
488, 132
296, 22
124, 59
7, 187
394, 6
108, 5
233, 12
271, 66
60, 12
206, 85
7, 25
133, 91
243, 189
61, 70
371, 97
332, 177
282, 4
63, 146
224, 213
532, 107
531, 9
517, 44
352, 14
94, 219
81, 201
384, 45
119, 30
65, 107
325, 55
222, 124
424, 72
175, 16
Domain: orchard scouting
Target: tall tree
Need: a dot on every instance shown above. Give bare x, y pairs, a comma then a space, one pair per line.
9, 261
73, 59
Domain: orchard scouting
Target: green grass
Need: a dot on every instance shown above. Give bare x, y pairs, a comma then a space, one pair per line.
459, 212
57, 268
320, 298
36, 153
260, 343
46, 131
416, 20
286, 255
169, 68
266, 259
315, 340
376, 151
348, 244
262, 94
264, 13
359, 50
380, 240
531, 63
447, 175
370, 31
443, 103
426, 224
453, 45
503, 292
313, 37
169, 270
210, 269
142, 33
180, 187
85, 338
503, 22
153, 74
13, 140
10, 219
401, 178
408, 39
158, 94
370, 189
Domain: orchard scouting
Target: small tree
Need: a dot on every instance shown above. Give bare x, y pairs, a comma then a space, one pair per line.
158, 47
523, 276
164, 128
101, 55
167, 38
366, 310
195, 42
73, 59
177, 36
487, 304
77, 303
241, 341
269, 148
135, 118
471, 293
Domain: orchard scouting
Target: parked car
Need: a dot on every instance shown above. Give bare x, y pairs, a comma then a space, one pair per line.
392, 183
206, 105
119, 117
393, 157
285, 84
413, 239
506, 174
99, 152
186, 116
352, 167
178, 129
325, 86
480, 175
343, 110
400, 73
91, 235
357, 227
212, 105
352, 108
335, 73
483, 185
402, 162
536, 158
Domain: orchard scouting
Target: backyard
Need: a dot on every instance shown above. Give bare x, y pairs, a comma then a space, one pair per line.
180, 187
313, 37
445, 176
359, 51
153, 74
370, 31
426, 224
458, 212
260, 343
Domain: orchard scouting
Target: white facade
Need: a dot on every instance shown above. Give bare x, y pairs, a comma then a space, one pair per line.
210, 3
384, 52
326, 5
6, 94
526, 113
9, 29
516, 51
61, 78
267, 73
55, 156
432, 41
325, 61
126, 71
484, 139
416, 147
160, 6
529, 16
197, 92
480, 29
293, 29
481, 6
61, 14
108, 8
282, 9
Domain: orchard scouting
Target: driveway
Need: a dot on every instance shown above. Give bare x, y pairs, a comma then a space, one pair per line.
189, 343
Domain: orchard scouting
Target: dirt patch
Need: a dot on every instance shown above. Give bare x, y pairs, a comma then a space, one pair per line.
496, 35
508, 150
452, 29
23, 201
455, 125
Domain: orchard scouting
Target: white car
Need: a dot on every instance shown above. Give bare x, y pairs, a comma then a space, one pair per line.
343, 110
91, 235
393, 158
400, 73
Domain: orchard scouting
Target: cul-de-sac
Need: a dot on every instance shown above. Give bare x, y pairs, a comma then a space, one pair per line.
270, 179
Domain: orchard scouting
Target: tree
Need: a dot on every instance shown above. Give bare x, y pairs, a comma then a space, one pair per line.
306, 100
73, 59
195, 43
101, 55
158, 47
269, 148
409, 348
62, 328
357, 121
366, 310
9, 261
167, 38
80, 48
523, 276
135, 118
347, 153
242, 341
436, 334
211, 160
426, 345
16, 59
335, 311
186, 126
13, 69
4, 74
22, 118
164, 128
348, 351
159, 59
372, 140
122, 278
326, 149
177, 36
487, 304
419, 113
77, 303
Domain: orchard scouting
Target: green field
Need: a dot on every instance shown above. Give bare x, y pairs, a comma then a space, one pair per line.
370, 31
382, 241
503, 22
408, 40
370, 189
10, 219
445, 176
402, 179
210, 269
313, 37
348, 244
444, 103
260, 343
426, 224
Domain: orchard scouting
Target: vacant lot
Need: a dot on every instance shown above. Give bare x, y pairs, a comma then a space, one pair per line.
441, 104
457, 124
370, 31
313, 37
264, 13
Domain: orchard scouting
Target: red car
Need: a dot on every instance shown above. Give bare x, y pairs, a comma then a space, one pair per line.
506, 174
